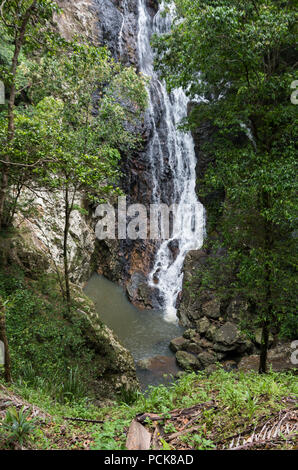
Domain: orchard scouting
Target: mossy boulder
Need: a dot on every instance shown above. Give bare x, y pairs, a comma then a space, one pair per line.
211, 308
187, 361
206, 358
203, 325
228, 334
178, 344
211, 333
229, 338
190, 334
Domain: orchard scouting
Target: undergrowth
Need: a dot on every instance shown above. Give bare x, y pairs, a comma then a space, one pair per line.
50, 350
241, 399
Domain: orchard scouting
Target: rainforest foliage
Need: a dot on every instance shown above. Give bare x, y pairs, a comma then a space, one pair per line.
240, 58
68, 110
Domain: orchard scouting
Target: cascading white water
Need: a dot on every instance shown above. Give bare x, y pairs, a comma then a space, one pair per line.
120, 40
175, 149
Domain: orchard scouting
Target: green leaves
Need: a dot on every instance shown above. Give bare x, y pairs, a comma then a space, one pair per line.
18, 425
239, 57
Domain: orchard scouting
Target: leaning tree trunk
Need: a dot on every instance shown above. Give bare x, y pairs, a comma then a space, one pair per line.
3, 338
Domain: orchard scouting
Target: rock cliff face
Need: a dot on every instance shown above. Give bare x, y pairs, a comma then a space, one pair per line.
44, 226
114, 24
213, 334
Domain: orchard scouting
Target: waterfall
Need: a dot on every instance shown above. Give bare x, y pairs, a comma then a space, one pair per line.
173, 163
120, 39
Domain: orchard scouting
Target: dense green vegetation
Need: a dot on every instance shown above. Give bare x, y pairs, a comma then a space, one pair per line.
71, 112
232, 403
49, 351
57, 135
240, 57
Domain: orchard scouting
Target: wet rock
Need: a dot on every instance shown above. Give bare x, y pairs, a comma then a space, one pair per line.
228, 334
153, 6
138, 290
203, 325
187, 361
178, 344
189, 334
174, 248
206, 358
193, 348
211, 309
110, 24
211, 332
159, 365
108, 260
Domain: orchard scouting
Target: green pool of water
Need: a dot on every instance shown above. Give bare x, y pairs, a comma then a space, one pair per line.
144, 333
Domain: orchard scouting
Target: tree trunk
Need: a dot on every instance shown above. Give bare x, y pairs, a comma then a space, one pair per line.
65, 253
3, 338
264, 349
268, 318
5, 169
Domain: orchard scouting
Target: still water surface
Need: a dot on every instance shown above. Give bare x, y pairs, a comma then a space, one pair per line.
143, 332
